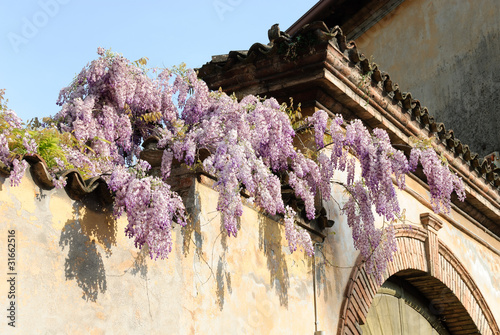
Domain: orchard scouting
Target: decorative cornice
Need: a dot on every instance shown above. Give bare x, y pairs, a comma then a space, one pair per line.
93, 192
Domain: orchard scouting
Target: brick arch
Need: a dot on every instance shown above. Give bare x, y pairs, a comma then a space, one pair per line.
427, 264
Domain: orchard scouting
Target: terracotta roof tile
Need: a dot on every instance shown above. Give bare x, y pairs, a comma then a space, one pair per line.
92, 192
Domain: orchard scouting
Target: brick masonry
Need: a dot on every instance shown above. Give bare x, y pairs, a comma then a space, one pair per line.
426, 263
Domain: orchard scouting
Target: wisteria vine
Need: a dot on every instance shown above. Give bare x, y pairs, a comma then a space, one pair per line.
114, 104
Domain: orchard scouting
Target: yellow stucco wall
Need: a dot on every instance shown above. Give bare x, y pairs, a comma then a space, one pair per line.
78, 273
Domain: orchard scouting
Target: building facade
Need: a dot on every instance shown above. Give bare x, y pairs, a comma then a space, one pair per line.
76, 271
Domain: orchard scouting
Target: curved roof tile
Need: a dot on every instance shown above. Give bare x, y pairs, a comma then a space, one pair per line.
93, 192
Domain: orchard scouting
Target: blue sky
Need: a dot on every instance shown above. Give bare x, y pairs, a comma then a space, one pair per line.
44, 43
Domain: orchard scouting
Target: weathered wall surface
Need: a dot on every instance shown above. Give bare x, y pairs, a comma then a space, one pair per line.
445, 54
77, 273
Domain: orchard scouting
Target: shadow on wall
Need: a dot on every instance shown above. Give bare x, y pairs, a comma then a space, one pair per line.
140, 265
84, 262
323, 274
222, 272
270, 243
193, 207
101, 227
191, 233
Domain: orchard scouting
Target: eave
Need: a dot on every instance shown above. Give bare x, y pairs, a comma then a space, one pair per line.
331, 74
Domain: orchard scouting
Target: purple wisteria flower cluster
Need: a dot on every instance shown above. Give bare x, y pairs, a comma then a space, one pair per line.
113, 105
372, 190
441, 182
10, 124
151, 207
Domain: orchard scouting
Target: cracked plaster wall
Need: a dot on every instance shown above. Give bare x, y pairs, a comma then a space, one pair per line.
79, 274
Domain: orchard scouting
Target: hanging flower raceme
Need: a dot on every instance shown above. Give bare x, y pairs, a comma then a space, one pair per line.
373, 188
10, 126
152, 208
442, 182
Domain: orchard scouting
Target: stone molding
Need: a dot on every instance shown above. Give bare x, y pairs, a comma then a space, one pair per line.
430, 220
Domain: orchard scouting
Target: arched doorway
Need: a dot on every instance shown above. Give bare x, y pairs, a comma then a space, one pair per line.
426, 265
